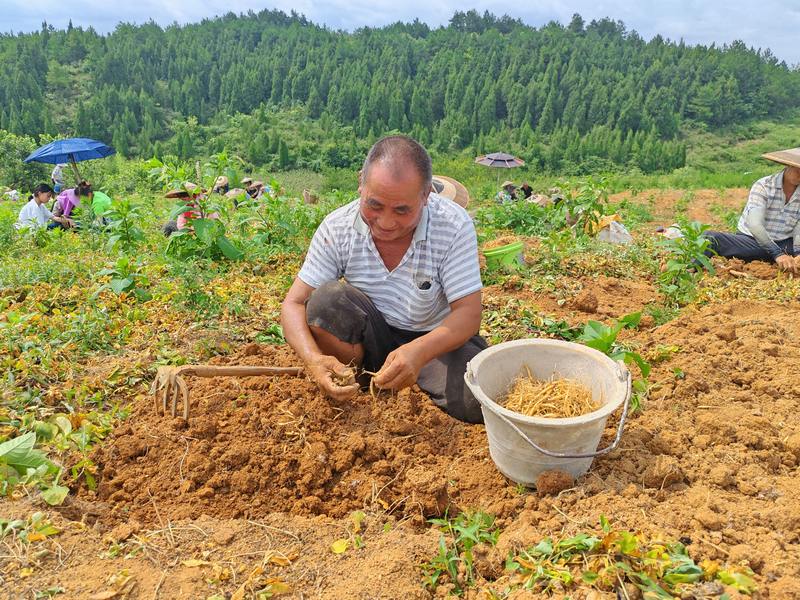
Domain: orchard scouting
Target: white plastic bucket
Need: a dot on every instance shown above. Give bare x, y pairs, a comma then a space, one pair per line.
523, 447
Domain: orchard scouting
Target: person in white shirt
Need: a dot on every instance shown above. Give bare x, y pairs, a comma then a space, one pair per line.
391, 284
35, 214
57, 177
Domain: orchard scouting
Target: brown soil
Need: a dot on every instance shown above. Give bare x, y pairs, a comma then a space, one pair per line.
578, 299
585, 301
256, 445
662, 203
735, 267
712, 459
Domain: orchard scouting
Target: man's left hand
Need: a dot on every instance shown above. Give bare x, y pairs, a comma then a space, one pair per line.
401, 369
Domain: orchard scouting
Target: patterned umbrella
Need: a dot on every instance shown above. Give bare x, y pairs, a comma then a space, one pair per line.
500, 160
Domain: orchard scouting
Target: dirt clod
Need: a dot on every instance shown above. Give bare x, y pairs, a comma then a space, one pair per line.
585, 301
553, 482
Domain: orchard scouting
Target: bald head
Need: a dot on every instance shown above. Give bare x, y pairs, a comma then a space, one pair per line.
402, 156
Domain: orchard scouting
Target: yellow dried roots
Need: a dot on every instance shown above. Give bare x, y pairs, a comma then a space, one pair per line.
347, 377
558, 398
503, 240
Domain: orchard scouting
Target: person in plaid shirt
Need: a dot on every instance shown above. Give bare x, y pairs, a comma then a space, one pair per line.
769, 228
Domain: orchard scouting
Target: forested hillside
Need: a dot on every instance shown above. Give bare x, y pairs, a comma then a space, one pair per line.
588, 92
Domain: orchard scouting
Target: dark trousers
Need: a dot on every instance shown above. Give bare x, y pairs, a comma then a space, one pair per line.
349, 314
745, 247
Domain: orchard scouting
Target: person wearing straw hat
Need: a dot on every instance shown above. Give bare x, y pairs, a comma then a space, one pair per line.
391, 284
769, 227
507, 193
452, 189
188, 193
221, 185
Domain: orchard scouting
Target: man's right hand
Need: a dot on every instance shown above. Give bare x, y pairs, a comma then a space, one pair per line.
786, 263
322, 368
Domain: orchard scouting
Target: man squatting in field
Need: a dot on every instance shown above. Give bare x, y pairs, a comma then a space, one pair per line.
769, 228
391, 283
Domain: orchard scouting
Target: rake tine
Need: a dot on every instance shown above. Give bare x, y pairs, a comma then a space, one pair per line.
184, 390
164, 397
173, 386
154, 393
164, 392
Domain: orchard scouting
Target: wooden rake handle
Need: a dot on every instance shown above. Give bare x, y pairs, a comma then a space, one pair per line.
236, 371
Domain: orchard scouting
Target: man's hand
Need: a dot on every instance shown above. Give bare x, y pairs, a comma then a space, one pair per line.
322, 368
787, 263
401, 368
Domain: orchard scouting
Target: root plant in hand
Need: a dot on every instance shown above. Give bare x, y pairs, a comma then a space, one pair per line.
557, 398
345, 378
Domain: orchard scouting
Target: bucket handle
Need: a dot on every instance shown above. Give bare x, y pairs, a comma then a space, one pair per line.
624, 375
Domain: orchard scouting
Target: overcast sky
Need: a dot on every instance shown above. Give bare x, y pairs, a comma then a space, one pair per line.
770, 24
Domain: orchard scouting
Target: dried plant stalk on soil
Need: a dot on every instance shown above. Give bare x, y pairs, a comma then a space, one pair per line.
557, 398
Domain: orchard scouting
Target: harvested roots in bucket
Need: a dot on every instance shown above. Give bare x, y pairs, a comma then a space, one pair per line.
558, 398
503, 240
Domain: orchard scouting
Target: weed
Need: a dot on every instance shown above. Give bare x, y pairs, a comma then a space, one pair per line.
608, 559
662, 314
273, 334
126, 277
604, 338
544, 326
686, 255
683, 203
455, 561
728, 216
123, 218
33, 529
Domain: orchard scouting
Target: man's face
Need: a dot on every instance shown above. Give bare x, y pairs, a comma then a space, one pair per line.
391, 205
791, 175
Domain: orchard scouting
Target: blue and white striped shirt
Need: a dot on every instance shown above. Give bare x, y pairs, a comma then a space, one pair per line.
439, 267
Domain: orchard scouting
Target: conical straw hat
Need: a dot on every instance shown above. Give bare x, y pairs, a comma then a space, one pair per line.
790, 157
451, 189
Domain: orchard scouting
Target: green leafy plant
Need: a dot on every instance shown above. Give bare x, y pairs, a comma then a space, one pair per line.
126, 277
542, 325
203, 238
455, 560
21, 463
33, 529
273, 334
205, 233
604, 338
169, 173
586, 205
608, 559
123, 223
685, 256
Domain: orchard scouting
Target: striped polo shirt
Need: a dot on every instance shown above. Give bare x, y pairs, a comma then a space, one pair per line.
439, 267
781, 218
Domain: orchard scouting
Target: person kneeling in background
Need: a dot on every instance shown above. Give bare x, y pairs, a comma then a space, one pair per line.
769, 228
35, 214
67, 202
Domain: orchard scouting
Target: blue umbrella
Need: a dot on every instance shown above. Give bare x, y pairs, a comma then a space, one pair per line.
70, 150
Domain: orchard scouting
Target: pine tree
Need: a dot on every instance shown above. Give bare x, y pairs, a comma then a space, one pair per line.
283, 155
